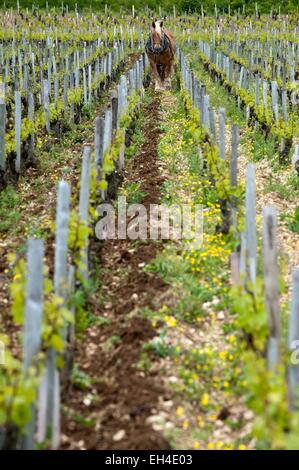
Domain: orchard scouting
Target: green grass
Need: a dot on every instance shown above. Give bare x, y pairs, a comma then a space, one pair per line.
138, 138
80, 379
86, 422
132, 192
144, 362
263, 147
10, 213
111, 343
292, 220
175, 270
288, 190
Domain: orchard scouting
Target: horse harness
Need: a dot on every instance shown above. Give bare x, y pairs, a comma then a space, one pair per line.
165, 44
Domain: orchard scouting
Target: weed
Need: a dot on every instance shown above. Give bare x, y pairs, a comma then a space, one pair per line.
9, 209
144, 362
133, 193
101, 321
86, 422
160, 347
80, 379
110, 343
286, 190
292, 220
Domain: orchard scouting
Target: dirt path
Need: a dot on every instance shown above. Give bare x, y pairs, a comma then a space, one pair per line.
123, 397
181, 391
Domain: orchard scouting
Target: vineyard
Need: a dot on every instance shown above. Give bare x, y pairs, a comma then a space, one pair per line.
113, 336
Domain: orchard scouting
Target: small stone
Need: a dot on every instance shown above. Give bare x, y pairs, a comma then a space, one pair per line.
158, 427
64, 439
169, 425
248, 415
218, 433
168, 403
219, 423
98, 426
119, 435
87, 400
206, 305
220, 316
173, 379
154, 419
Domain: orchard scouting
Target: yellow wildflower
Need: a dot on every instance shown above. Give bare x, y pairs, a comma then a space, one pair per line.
185, 424
205, 399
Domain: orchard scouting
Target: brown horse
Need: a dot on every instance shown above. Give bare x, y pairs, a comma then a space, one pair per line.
160, 49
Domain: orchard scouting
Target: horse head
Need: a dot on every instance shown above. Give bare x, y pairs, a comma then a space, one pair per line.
157, 34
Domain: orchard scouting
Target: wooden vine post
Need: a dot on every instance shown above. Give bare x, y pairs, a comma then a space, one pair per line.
33, 321
251, 239
234, 171
271, 285
31, 119
293, 344
235, 257
61, 242
84, 208
49, 405
98, 142
18, 125
46, 104
295, 159
2, 126
122, 109
222, 140
114, 114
